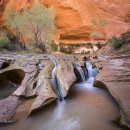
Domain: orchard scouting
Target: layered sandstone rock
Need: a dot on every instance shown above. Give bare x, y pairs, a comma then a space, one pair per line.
115, 77
73, 17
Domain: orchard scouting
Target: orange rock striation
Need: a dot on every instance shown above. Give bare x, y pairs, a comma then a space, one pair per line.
73, 17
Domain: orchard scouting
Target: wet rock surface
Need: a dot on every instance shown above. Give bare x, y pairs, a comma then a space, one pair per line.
28, 83
115, 76
22, 73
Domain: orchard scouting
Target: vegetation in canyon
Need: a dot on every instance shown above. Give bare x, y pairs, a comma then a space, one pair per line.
118, 42
3, 40
34, 25
96, 34
84, 64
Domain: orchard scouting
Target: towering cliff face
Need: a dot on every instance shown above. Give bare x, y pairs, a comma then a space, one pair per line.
73, 17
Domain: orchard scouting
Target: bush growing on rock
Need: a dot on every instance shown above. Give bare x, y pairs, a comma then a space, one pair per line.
125, 37
122, 40
3, 40
37, 24
115, 42
99, 45
89, 44
54, 47
68, 50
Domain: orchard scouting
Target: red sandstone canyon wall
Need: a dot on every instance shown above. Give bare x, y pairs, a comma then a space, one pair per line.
73, 17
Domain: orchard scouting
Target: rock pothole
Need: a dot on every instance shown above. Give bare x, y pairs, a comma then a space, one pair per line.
5, 64
10, 81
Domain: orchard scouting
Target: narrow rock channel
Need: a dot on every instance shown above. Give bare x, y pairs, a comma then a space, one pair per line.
85, 107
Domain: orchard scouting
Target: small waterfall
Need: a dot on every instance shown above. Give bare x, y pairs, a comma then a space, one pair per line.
79, 72
91, 72
54, 83
82, 75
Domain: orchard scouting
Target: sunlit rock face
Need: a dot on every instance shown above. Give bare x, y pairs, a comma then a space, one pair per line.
73, 17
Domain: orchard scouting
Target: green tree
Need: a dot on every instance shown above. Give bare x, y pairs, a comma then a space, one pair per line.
3, 39
14, 21
37, 23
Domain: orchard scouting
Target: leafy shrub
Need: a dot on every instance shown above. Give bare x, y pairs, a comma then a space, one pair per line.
77, 45
68, 50
126, 48
122, 40
37, 23
89, 44
13, 47
125, 37
3, 43
115, 42
3, 39
99, 45
54, 47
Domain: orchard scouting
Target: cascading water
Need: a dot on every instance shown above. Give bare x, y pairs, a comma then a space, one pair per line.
87, 73
54, 83
80, 71
91, 72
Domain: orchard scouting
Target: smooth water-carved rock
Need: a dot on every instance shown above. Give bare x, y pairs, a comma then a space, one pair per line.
115, 77
29, 82
8, 107
66, 76
10, 81
43, 89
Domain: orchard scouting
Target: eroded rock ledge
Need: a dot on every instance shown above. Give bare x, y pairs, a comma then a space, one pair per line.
20, 72
115, 76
